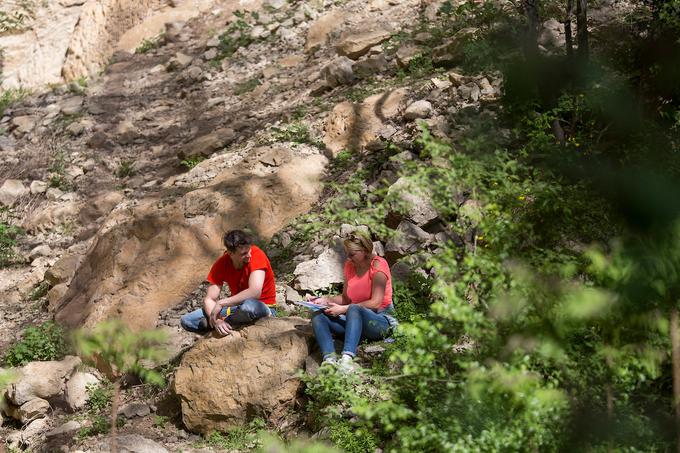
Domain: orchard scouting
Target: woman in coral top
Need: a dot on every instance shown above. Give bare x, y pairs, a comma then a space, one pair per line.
363, 311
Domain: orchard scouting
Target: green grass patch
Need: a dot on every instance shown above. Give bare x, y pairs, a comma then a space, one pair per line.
149, 44
44, 342
8, 235
12, 96
247, 86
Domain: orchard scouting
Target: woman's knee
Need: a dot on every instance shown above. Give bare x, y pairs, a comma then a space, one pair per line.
319, 318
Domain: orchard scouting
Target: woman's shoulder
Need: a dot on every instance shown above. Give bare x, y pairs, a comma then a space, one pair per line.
378, 263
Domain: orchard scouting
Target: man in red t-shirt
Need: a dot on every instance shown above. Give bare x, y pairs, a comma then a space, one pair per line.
247, 271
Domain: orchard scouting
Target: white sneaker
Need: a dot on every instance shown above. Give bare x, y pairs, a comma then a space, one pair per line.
331, 360
346, 364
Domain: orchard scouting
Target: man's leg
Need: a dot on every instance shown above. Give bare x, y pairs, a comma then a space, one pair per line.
324, 328
248, 312
195, 321
363, 323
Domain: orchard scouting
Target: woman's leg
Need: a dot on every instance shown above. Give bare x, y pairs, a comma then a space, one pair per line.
363, 323
324, 329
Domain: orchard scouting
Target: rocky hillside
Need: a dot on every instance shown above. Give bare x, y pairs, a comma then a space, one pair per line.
122, 182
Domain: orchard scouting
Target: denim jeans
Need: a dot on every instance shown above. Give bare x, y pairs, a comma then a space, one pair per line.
358, 324
249, 311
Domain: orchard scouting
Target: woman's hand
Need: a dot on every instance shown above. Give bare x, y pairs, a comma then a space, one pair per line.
323, 300
336, 309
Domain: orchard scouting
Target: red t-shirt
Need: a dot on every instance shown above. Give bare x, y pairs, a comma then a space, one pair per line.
223, 270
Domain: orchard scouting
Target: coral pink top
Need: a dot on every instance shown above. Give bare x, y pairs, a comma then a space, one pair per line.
359, 288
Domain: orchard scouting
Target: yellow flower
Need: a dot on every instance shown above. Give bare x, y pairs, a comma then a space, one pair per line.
521, 198
577, 144
480, 238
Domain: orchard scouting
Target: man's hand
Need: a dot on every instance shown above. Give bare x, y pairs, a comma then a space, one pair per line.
215, 313
222, 327
336, 309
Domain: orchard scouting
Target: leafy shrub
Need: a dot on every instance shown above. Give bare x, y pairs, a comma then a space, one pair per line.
352, 440
11, 96
125, 169
149, 44
247, 86
295, 132
43, 342
8, 234
99, 396
40, 290
246, 438
191, 162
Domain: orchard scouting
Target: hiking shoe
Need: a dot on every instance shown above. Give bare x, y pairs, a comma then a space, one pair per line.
346, 364
331, 360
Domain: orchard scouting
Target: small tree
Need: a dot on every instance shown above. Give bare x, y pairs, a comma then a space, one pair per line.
125, 352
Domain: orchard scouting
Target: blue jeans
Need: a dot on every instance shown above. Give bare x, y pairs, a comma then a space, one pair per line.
248, 312
358, 324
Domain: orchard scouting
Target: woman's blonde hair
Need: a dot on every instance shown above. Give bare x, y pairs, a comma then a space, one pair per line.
358, 241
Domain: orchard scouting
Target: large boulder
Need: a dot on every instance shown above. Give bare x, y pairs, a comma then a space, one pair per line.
221, 382
321, 272
354, 45
76, 389
42, 380
352, 126
417, 201
148, 258
11, 190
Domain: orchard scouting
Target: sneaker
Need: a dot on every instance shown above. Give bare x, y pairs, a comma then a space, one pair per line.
346, 364
330, 360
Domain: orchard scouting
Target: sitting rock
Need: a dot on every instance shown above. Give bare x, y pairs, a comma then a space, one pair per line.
223, 381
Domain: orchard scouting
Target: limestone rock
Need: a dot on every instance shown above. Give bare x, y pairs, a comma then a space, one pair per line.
371, 64
339, 72
33, 409
320, 29
470, 92
418, 109
63, 270
134, 409
124, 273
321, 272
134, 443
451, 52
292, 295
68, 428
24, 124
410, 239
42, 380
31, 433
179, 61
406, 54
38, 187
356, 45
419, 203
76, 389
11, 190
7, 144
208, 144
352, 126
71, 106
223, 381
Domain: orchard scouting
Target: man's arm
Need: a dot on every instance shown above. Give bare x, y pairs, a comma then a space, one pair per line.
253, 291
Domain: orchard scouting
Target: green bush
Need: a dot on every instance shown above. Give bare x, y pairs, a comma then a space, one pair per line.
99, 396
8, 234
43, 342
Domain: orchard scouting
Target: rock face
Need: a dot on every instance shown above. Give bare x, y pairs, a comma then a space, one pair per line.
11, 190
69, 40
147, 259
223, 381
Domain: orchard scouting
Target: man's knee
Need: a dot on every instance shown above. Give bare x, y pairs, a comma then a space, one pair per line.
251, 306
